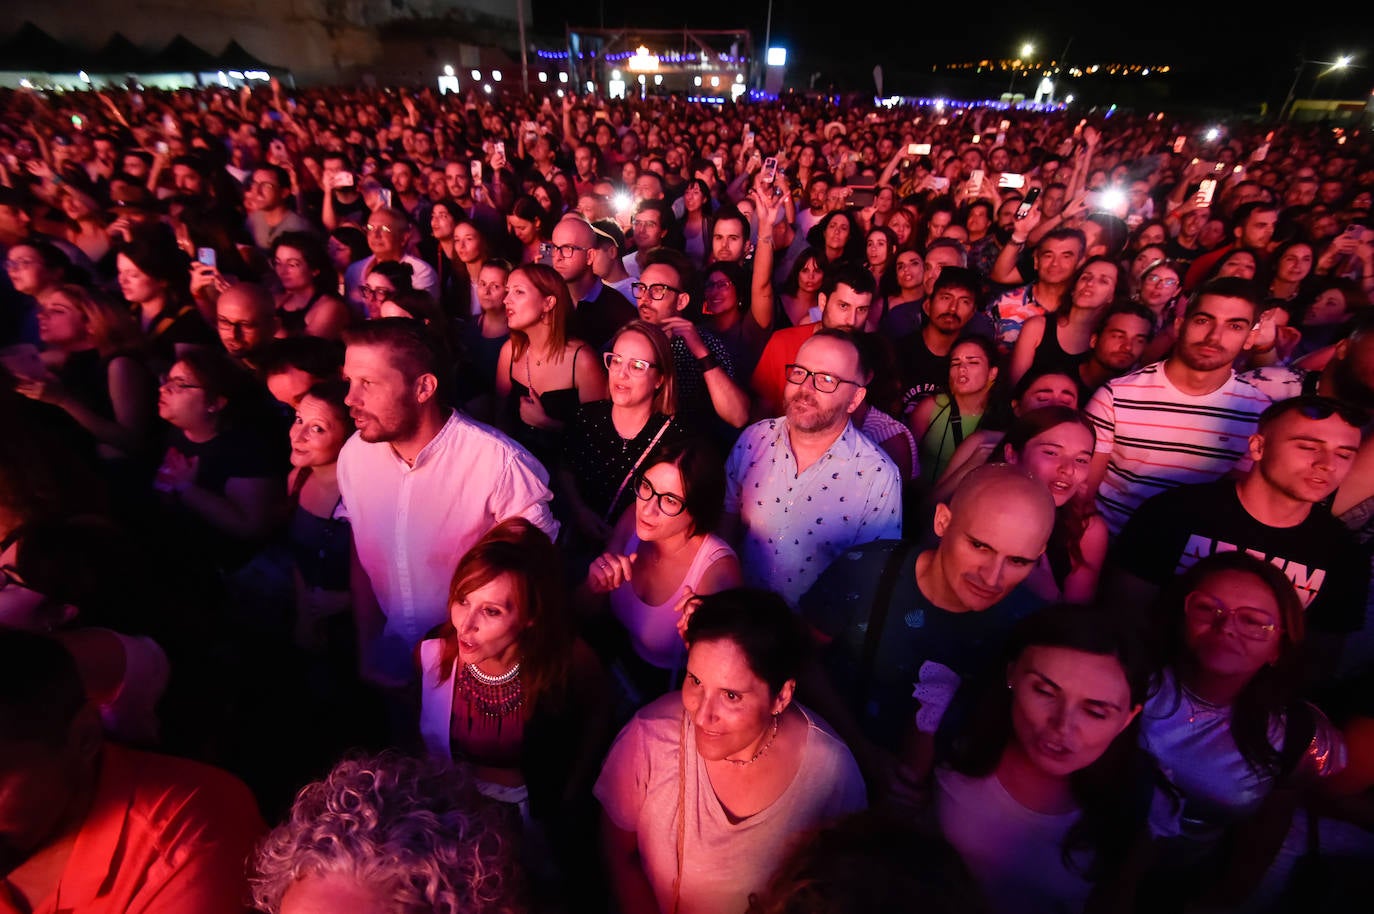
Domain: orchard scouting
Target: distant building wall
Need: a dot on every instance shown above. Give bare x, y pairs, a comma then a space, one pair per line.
318, 40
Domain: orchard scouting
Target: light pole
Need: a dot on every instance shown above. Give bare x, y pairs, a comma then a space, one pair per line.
1340, 63
1027, 50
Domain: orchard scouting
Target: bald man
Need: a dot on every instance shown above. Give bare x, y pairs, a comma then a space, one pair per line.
889, 616
246, 319
601, 310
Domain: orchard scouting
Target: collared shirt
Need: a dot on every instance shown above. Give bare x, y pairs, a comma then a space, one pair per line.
411, 524
793, 524
164, 835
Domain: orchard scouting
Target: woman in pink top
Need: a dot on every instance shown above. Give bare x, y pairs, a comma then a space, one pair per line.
661, 553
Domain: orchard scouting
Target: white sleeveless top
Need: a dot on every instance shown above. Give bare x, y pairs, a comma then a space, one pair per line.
653, 629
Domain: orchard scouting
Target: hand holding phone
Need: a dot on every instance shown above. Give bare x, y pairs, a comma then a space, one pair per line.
206, 256
770, 169
1027, 203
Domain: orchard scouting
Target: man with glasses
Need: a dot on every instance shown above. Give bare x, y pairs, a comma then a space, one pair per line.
388, 234
700, 359
601, 310
845, 299
808, 485
652, 222
266, 198
1303, 449
246, 320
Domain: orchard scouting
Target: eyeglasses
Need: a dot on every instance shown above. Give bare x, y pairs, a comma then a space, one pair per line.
21, 263
1167, 282
614, 361
292, 264
177, 384
1252, 624
374, 228
718, 284
375, 293
259, 185
562, 250
658, 291
822, 381
671, 505
646, 224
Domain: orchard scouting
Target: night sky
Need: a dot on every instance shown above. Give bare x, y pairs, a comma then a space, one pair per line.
1229, 44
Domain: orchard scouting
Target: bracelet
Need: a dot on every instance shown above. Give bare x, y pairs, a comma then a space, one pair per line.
1019, 244
707, 362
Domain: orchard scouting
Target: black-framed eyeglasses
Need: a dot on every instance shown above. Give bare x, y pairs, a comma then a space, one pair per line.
658, 291
614, 361
1252, 624
374, 293
562, 250
177, 384
824, 382
671, 505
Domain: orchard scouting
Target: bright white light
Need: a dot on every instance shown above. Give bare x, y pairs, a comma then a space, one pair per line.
223, 78
1027, 49
560, 93
562, 77
696, 80
1212, 134
1343, 61
615, 74
777, 57
477, 75
486, 87
496, 76
1068, 99
448, 69
591, 86
739, 77
715, 80
641, 79
83, 77
658, 79
236, 74
543, 77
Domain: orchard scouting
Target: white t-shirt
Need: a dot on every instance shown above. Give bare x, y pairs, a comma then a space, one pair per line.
723, 861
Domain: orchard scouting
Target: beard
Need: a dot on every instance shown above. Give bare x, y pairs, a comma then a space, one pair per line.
806, 414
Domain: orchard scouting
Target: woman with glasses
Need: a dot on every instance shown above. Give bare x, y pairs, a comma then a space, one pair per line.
1228, 727
385, 280
610, 440
661, 553
308, 303
1161, 290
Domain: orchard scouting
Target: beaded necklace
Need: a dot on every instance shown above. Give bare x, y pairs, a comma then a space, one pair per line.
492, 696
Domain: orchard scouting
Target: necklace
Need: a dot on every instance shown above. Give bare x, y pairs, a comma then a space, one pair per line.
529, 374
492, 696
762, 749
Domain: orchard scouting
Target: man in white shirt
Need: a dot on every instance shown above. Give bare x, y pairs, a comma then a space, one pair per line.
804, 487
420, 484
388, 236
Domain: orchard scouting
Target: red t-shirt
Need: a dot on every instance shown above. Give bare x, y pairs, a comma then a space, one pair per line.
164, 835
768, 382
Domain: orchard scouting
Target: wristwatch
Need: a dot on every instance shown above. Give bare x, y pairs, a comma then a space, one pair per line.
707, 362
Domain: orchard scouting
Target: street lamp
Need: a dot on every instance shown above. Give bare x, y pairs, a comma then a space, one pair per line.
1027, 50
1340, 63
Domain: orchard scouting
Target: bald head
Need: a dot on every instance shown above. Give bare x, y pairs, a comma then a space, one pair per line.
573, 241
246, 318
993, 531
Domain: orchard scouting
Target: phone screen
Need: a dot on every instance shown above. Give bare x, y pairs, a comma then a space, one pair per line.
1206, 188
920, 149
1024, 209
206, 256
770, 169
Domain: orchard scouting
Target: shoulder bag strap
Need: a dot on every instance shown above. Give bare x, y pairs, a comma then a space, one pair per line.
877, 613
610, 509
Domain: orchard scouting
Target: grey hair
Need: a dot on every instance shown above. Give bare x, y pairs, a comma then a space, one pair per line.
413, 829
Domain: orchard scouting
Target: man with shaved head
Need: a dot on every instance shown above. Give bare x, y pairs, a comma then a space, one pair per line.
246, 319
890, 616
601, 310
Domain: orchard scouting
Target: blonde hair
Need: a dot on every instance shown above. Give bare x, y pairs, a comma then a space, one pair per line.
112, 329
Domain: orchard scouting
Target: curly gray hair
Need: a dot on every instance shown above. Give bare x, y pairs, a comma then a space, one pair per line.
413, 829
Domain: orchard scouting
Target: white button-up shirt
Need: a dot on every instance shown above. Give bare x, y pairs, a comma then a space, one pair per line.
411, 524
793, 524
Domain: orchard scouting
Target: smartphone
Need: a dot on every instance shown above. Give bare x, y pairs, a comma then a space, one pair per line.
476, 171
1010, 179
500, 148
1024, 209
206, 256
1261, 152
975, 182
770, 169
161, 147
343, 179
940, 183
1004, 125
1206, 189
385, 195
919, 149
76, 121
977, 138
1356, 232
1179, 142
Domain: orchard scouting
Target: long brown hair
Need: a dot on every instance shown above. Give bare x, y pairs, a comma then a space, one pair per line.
546, 282
522, 552
665, 398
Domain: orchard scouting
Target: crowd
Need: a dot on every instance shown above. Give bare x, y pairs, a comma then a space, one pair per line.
419, 503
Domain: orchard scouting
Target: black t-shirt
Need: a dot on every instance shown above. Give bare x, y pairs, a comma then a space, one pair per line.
923, 372
1170, 531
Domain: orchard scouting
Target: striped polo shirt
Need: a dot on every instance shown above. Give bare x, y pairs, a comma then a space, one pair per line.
1159, 437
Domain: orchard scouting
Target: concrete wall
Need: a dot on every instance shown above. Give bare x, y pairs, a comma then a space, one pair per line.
318, 40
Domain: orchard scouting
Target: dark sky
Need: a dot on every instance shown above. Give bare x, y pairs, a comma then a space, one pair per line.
1233, 41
